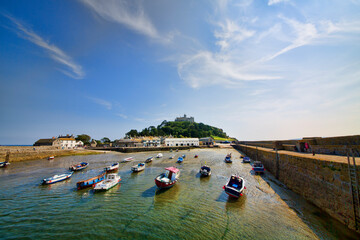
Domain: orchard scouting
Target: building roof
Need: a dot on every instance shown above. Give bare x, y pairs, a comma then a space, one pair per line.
67, 139
206, 139
45, 141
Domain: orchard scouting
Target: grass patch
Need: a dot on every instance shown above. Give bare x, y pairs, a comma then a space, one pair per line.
223, 139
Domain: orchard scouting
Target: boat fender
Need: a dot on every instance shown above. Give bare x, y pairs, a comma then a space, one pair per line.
244, 187
224, 187
241, 194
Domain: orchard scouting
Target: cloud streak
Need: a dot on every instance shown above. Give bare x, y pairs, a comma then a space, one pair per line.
129, 14
102, 102
73, 69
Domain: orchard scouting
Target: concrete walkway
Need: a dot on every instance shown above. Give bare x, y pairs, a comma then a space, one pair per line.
322, 157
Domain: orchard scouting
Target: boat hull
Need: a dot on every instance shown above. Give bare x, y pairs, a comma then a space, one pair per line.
160, 184
90, 182
232, 193
103, 189
205, 173
4, 164
259, 170
48, 181
79, 168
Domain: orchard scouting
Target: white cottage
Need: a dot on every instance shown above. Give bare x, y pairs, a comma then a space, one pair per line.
175, 142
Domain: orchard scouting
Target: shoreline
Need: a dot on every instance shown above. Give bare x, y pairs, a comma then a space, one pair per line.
24, 153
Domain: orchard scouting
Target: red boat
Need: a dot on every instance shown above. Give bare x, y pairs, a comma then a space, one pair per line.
168, 178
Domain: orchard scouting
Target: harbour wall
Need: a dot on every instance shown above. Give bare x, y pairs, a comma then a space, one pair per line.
23, 153
329, 145
325, 183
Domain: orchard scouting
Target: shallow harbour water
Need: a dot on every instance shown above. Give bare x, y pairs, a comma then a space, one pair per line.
195, 208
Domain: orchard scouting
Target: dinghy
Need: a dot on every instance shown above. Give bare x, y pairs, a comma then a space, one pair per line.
205, 171
57, 178
79, 166
112, 168
180, 160
138, 167
149, 159
160, 155
246, 160
129, 159
235, 186
258, 167
228, 158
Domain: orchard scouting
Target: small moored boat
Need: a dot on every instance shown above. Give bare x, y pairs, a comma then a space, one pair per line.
258, 167
205, 171
235, 186
111, 181
246, 160
4, 164
228, 158
172, 156
196, 156
51, 158
129, 159
138, 167
79, 166
57, 178
183, 156
149, 159
160, 155
180, 160
168, 178
90, 182
112, 168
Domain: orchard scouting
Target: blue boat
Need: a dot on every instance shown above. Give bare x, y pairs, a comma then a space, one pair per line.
180, 160
258, 167
79, 166
90, 182
228, 158
184, 156
246, 160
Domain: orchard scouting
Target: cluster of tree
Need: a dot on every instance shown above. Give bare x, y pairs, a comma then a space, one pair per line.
179, 129
86, 139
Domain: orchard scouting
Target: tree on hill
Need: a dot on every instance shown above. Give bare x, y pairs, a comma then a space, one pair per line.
105, 140
180, 129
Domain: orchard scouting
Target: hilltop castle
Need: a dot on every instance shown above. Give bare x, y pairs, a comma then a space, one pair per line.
184, 119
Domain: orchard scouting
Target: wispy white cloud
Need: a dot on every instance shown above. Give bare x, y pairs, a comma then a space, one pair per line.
231, 34
102, 102
128, 13
122, 115
73, 70
206, 68
273, 2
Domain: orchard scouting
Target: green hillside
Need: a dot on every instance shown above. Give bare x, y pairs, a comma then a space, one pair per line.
179, 129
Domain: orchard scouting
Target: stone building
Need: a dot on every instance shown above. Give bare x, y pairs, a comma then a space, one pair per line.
207, 141
184, 119
175, 142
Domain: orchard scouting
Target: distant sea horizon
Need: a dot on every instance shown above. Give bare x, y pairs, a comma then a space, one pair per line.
16, 145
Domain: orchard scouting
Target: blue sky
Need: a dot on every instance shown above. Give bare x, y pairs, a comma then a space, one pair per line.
274, 69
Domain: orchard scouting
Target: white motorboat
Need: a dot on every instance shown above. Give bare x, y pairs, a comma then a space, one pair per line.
129, 159
160, 155
138, 167
110, 181
57, 178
